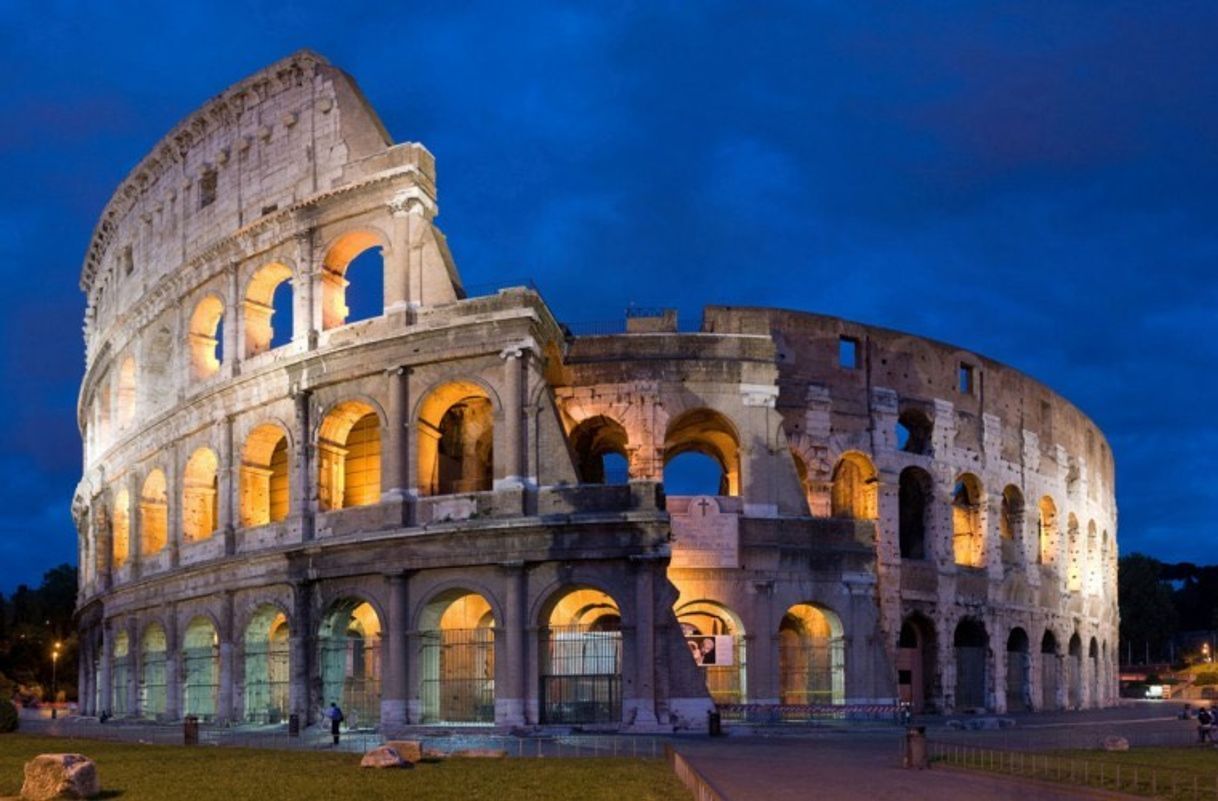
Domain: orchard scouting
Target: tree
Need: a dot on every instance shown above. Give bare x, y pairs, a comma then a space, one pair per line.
1148, 614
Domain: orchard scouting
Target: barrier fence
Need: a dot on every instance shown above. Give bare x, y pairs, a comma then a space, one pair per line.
1115, 773
775, 714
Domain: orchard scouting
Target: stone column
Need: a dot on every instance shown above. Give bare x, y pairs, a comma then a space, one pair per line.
229, 486
394, 676
510, 657
510, 471
394, 466
640, 706
105, 685
135, 525
134, 668
761, 646
173, 492
300, 643
302, 485
224, 694
232, 325
396, 258
304, 315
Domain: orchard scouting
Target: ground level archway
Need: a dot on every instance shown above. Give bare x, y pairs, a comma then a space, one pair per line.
581, 658
811, 656
457, 684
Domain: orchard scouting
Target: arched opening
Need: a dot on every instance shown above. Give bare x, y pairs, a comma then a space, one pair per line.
811, 656
914, 495
200, 495
352, 280
154, 514
1074, 672
1019, 671
1074, 555
120, 528
968, 535
705, 432
971, 643
1047, 529
203, 339
1097, 682
268, 297
581, 659
855, 485
716, 641
267, 666
458, 659
914, 431
1010, 525
265, 472
599, 444
456, 440
349, 457
120, 675
126, 392
1049, 669
916, 663
350, 636
200, 669
153, 648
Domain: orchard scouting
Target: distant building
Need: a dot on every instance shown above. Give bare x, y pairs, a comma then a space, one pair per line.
416, 514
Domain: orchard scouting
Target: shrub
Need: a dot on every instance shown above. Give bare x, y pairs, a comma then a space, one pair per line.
8, 716
1206, 678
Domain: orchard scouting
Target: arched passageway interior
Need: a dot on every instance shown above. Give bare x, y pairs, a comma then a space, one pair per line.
351, 661
716, 468
200, 669
715, 638
267, 666
599, 444
581, 659
153, 648
456, 440
268, 296
855, 485
916, 663
349, 457
265, 476
914, 495
458, 659
154, 514
1049, 660
200, 495
968, 532
1074, 669
971, 643
352, 280
1019, 670
120, 675
811, 656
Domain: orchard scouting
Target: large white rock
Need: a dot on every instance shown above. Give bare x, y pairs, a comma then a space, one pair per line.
53, 776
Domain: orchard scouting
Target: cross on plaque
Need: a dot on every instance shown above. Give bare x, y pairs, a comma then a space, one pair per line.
703, 504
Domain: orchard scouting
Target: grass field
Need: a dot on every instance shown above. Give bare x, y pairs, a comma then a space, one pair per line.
159, 772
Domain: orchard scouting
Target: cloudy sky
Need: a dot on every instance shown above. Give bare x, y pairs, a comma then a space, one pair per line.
1033, 181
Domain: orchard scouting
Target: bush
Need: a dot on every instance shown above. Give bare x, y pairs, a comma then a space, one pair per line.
1206, 678
8, 716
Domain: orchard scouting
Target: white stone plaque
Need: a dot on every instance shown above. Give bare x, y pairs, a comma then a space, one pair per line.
703, 536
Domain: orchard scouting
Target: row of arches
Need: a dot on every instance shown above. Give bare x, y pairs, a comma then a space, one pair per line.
1060, 681
580, 651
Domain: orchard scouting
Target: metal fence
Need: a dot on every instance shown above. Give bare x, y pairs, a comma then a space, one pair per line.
1120, 775
459, 676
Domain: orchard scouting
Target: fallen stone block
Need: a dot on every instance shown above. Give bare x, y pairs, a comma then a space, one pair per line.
384, 757
55, 776
1114, 743
409, 750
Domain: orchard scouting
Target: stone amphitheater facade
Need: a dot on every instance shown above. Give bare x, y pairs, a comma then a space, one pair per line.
454, 511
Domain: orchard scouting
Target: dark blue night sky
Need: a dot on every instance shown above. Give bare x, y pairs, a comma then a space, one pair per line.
1036, 182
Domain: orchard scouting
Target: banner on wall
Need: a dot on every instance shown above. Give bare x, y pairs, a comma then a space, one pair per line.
710, 649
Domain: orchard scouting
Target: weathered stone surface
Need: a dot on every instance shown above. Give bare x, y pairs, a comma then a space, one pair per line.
1114, 743
409, 750
55, 776
384, 757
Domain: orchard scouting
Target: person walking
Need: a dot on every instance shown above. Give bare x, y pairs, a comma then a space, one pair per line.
1205, 722
336, 717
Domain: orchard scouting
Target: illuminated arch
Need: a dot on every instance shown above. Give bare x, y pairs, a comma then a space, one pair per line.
203, 337
855, 487
334, 281
267, 665
200, 495
200, 668
968, 535
457, 684
456, 439
259, 306
154, 514
581, 657
593, 440
726, 678
1047, 531
711, 434
265, 476
349, 456
120, 528
350, 644
811, 656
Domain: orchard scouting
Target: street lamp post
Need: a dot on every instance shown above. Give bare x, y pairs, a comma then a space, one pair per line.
54, 681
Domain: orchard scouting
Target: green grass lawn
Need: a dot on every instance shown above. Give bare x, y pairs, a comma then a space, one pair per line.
161, 772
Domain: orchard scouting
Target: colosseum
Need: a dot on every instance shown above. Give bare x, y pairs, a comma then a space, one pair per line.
450, 509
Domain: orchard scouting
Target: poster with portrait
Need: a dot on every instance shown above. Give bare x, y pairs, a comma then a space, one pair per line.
710, 649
